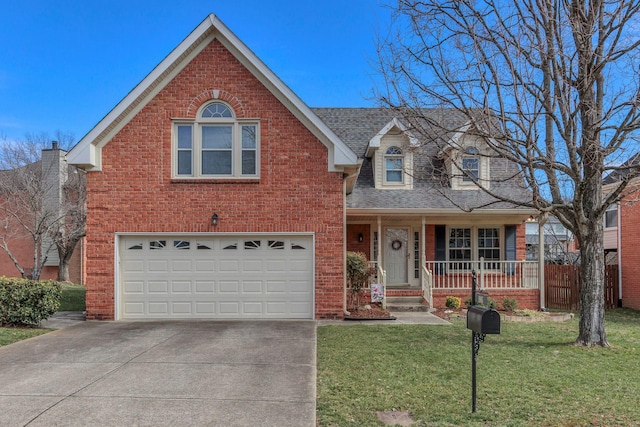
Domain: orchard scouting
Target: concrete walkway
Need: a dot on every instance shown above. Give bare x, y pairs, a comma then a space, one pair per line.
191, 373
402, 318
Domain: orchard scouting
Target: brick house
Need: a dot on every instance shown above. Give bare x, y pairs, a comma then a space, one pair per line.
54, 170
215, 192
622, 235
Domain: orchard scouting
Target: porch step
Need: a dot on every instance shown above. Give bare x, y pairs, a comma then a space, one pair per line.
406, 304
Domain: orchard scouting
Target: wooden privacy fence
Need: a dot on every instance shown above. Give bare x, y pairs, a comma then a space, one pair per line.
562, 286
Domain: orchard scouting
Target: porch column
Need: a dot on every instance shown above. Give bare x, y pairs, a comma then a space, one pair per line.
541, 220
379, 259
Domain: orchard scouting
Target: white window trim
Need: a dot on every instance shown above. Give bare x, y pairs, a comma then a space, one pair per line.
611, 208
196, 154
386, 156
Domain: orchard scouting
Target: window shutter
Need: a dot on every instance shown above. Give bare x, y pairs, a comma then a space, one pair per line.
510, 248
441, 247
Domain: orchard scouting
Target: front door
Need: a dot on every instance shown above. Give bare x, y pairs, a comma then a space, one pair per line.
396, 253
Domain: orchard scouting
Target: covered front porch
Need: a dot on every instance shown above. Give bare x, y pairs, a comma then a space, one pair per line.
432, 256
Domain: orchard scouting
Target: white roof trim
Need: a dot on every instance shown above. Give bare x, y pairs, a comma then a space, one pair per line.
87, 152
374, 143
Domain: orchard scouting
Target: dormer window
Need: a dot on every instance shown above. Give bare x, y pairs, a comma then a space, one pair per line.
216, 145
393, 165
471, 165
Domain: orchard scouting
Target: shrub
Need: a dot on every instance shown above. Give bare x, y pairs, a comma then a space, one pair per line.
452, 302
491, 303
467, 301
510, 304
358, 273
27, 302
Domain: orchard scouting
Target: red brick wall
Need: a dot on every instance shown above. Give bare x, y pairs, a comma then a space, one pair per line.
134, 191
354, 245
22, 249
526, 298
630, 262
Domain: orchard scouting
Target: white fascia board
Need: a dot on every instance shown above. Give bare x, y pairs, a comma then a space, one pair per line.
87, 153
340, 154
84, 153
374, 143
522, 212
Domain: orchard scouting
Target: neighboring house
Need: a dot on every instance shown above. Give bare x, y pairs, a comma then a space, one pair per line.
622, 236
215, 192
54, 172
559, 244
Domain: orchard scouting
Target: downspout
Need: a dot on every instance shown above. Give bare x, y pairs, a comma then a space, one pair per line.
344, 247
542, 219
619, 247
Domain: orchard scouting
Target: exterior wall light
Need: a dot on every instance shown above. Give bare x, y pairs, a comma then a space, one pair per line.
360, 237
214, 219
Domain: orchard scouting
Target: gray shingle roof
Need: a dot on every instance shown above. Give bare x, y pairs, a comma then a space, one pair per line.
357, 126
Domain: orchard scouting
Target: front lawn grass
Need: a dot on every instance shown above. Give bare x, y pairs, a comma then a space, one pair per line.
530, 374
73, 297
11, 335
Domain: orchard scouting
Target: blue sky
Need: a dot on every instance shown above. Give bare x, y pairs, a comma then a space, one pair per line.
64, 64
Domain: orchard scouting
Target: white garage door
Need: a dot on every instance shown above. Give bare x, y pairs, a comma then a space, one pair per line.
169, 277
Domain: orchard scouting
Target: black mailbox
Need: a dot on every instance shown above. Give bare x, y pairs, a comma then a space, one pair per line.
483, 320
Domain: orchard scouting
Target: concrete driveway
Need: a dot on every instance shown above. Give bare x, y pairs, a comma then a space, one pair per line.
219, 373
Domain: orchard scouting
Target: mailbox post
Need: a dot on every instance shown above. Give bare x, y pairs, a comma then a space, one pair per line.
481, 321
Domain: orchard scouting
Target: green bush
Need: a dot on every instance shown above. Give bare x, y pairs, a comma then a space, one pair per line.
452, 302
510, 304
491, 303
467, 301
358, 274
27, 302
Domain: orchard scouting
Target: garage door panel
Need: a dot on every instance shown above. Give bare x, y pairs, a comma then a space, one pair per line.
229, 266
158, 308
182, 265
205, 308
131, 287
205, 287
158, 287
299, 286
216, 277
276, 286
180, 287
252, 286
181, 308
229, 287
204, 265
134, 266
158, 265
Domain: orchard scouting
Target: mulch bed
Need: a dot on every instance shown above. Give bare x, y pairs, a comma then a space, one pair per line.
373, 311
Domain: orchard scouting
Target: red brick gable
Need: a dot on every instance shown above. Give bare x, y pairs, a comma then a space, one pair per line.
134, 192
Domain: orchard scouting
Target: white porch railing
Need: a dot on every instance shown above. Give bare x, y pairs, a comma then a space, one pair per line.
490, 274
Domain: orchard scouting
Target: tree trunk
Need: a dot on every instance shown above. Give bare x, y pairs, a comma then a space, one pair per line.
63, 271
592, 332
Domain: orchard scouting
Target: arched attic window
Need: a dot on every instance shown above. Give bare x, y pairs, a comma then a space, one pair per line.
216, 145
393, 165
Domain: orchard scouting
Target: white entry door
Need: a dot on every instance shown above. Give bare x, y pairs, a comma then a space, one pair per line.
396, 252
219, 277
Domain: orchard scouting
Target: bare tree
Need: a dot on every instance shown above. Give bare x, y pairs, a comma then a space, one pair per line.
42, 202
551, 85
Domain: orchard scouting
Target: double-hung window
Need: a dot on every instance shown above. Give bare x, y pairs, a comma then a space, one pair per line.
471, 165
216, 145
393, 165
469, 244
611, 216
